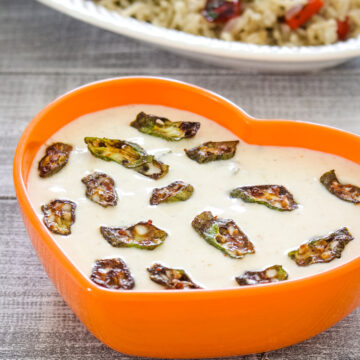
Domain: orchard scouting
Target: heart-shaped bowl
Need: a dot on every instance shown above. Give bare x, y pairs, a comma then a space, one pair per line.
195, 323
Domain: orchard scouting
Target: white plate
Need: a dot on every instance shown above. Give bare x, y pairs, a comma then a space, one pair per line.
234, 54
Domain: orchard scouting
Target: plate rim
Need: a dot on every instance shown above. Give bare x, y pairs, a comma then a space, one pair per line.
89, 12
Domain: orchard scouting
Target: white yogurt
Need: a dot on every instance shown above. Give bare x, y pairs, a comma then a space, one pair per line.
273, 233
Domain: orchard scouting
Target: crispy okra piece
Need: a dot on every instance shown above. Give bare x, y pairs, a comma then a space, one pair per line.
112, 274
322, 249
176, 191
211, 151
348, 192
59, 215
125, 153
271, 274
143, 235
165, 128
55, 158
224, 234
128, 154
275, 197
100, 188
153, 169
172, 279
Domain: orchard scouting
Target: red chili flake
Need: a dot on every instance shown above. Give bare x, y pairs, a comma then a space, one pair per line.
221, 11
343, 29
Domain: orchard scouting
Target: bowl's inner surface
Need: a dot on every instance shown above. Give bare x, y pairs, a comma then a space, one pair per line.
312, 197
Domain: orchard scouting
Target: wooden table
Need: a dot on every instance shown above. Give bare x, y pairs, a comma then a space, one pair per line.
44, 54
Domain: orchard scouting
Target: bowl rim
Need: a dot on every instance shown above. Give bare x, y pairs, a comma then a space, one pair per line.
97, 15
29, 211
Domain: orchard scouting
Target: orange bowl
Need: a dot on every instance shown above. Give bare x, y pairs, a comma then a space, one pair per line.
198, 323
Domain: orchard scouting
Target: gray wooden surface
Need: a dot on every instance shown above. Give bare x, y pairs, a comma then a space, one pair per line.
42, 55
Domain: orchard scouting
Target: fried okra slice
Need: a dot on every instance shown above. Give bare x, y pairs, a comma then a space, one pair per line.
322, 249
55, 158
153, 169
176, 191
112, 274
143, 235
172, 279
211, 151
348, 192
275, 197
100, 188
165, 128
59, 215
128, 154
125, 153
224, 234
271, 274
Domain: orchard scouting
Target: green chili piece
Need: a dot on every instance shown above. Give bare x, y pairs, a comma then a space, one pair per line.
224, 234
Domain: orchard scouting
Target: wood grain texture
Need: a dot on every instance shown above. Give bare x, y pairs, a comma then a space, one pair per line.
44, 54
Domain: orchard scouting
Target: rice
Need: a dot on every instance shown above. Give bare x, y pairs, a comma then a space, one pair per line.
260, 21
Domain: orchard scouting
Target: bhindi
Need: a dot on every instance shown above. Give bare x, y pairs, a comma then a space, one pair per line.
348, 192
165, 128
176, 191
172, 279
55, 158
143, 235
275, 197
100, 188
223, 234
212, 151
59, 216
271, 274
112, 274
322, 249
127, 154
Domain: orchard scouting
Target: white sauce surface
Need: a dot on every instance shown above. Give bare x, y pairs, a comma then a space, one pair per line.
272, 232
